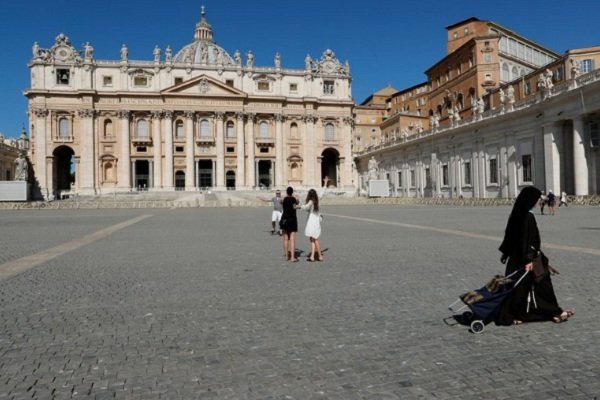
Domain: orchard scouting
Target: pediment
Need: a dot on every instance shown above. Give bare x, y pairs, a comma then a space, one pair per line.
203, 86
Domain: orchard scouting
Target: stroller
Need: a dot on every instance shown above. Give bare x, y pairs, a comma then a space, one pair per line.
484, 304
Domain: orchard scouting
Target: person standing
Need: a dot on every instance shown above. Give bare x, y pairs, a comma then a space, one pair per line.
313, 222
531, 300
543, 199
563, 200
551, 202
289, 225
277, 210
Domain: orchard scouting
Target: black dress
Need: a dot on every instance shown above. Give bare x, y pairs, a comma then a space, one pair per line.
289, 221
521, 252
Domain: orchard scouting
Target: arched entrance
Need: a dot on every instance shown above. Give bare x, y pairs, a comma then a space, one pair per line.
264, 174
330, 159
179, 180
63, 169
230, 180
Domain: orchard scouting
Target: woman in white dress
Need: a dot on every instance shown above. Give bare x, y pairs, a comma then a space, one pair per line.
313, 223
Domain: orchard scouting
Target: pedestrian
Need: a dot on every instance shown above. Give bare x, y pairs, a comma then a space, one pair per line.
533, 299
543, 199
277, 211
563, 200
551, 202
313, 222
289, 225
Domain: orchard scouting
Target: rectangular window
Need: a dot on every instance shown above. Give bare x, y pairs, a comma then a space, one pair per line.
413, 181
293, 88
467, 173
594, 128
445, 175
140, 81
399, 179
229, 82
493, 172
587, 66
141, 149
328, 87
264, 149
527, 88
231, 149
62, 76
179, 149
178, 80
107, 80
427, 177
264, 85
526, 164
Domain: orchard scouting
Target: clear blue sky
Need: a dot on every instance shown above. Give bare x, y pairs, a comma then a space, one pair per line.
385, 41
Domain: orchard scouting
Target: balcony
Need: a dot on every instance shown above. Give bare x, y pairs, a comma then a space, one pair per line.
63, 139
205, 140
265, 141
141, 141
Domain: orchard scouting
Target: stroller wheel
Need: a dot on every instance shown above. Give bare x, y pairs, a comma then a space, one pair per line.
467, 315
477, 326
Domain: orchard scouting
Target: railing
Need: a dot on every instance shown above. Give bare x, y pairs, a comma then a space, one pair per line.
563, 87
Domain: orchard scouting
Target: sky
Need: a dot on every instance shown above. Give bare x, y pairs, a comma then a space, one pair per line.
385, 41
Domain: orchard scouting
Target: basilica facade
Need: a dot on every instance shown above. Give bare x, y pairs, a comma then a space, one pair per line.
187, 120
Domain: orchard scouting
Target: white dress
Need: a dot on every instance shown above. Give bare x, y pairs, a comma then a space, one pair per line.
313, 223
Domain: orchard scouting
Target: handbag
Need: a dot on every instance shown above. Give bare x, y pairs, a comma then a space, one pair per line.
282, 224
540, 266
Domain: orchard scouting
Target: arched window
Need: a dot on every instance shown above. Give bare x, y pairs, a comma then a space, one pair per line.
295, 171
64, 128
329, 131
515, 73
460, 101
263, 130
294, 130
142, 128
179, 133
229, 132
108, 128
204, 128
505, 74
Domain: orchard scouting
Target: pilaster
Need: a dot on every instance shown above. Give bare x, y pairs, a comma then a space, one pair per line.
580, 172
157, 144
125, 161
241, 171
168, 129
189, 150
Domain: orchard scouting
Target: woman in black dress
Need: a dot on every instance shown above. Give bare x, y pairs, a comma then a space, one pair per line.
520, 246
289, 225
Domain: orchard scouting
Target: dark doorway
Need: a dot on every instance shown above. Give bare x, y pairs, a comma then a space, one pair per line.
330, 159
205, 174
264, 174
230, 180
179, 180
63, 169
142, 175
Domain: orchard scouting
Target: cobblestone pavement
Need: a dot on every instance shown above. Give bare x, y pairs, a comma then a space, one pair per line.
198, 304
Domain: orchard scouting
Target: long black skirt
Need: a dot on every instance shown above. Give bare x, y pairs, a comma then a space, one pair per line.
543, 305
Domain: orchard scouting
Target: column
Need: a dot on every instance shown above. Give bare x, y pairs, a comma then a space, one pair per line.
189, 150
220, 148
125, 161
40, 151
213, 179
150, 174
434, 175
87, 151
458, 175
156, 142
346, 170
309, 150
240, 176
133, 174
279, 162
272, 172
503, 170
482, 172
511, 175
580, 167
168, 129
552, 134
251, 178
256, 174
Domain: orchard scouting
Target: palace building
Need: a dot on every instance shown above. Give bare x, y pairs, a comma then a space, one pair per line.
187, 120
498, 112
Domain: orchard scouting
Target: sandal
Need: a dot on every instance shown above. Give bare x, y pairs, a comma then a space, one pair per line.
563, 317
570, 312
517, 322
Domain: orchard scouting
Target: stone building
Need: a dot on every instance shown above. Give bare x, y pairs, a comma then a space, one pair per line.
368, 117
538, 126
187, 120
9, 151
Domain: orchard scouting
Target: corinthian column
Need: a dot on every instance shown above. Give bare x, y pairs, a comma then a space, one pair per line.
220, 148
251, 181
241, 171
125, 161
189, 150
87, 151
156, 142
309, 150
346, 180
580, 170
168, 173
40, 150
279, 118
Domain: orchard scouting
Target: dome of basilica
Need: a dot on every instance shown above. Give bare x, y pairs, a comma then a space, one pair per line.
203, 50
